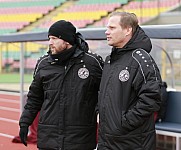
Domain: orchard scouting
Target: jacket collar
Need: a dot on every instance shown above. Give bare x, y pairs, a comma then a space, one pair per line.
57, 58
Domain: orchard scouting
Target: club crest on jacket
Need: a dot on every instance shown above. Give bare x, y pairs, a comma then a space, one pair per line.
83, 73
124, 75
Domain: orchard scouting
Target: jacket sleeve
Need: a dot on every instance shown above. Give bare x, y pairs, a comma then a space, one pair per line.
98, 68
34, 100
147, 86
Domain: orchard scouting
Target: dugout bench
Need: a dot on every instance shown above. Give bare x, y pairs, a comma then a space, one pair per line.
171, 125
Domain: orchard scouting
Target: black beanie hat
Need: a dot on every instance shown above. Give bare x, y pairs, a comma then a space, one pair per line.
64, 30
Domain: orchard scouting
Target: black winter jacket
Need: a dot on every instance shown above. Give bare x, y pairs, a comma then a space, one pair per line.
129, 96
66, 96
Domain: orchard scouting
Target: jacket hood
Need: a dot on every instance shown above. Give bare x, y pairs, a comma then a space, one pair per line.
138, 40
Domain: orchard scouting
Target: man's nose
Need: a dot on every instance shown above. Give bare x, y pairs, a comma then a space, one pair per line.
50, 42
107, 32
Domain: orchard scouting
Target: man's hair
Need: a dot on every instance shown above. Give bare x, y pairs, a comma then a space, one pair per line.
127, 19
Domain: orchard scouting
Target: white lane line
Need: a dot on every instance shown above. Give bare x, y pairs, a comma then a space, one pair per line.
9, 120
10, 93
9, 109
6, 135
9, 101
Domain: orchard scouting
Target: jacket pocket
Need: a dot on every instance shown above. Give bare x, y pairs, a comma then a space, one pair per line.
124, 142
47, 136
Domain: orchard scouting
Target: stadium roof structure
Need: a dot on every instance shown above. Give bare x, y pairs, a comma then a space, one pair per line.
172, 31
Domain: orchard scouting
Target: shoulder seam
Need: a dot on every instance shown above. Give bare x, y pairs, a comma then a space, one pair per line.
39, 64
96, 60
139, 65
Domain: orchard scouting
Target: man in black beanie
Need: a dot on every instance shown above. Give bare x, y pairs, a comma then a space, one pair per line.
63, 30
65, 90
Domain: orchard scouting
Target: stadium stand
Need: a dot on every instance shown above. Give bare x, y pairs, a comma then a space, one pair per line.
82, 13
11, 55
145, 10
15, 14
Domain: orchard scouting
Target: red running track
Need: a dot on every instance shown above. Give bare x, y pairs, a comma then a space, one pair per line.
9, 116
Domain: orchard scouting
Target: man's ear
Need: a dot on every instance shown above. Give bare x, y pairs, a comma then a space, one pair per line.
67, 43
129, 31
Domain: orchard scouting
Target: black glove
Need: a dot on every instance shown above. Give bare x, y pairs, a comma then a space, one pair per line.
23, 133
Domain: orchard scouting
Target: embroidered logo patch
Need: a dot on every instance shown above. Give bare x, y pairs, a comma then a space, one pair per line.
83, 73
124, 75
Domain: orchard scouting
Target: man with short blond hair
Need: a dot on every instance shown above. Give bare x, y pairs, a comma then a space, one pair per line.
129, 89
